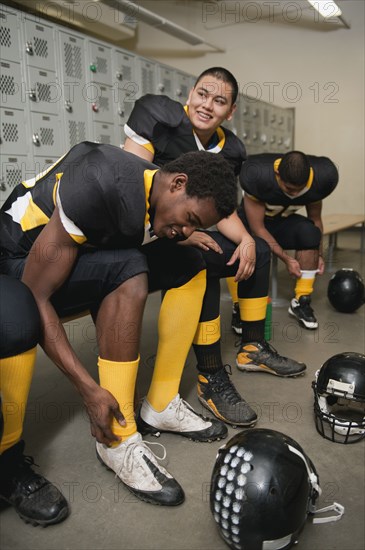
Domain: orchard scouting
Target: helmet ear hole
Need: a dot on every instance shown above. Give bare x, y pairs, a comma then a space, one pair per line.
332, 400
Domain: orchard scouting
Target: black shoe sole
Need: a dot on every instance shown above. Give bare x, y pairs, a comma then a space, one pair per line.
247, 424
255, 368
203, 437
300, 321
39, 522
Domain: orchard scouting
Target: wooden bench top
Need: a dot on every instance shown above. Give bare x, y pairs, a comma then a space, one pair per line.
337, 222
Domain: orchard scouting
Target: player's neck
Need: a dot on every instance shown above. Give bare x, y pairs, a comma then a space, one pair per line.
204, 137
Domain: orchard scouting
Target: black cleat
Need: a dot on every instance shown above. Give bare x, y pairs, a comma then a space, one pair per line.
303, 312
33, 497
217, 393
261, 356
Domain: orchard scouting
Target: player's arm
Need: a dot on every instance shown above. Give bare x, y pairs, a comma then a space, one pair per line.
44, 275
314, 213
132, 147
255, 213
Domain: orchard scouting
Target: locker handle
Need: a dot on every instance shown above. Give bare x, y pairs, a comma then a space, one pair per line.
29, 48
68, 106
2, 185
32, 94
36, 140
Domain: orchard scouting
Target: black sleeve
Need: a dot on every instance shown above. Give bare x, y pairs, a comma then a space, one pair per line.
151, 110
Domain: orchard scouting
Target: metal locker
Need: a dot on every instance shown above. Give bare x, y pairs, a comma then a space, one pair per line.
43, 91
165, 77
74, 112
12, 135
182, 86
11, 88
13, 169
46, 135
41, 164
9, 36
39, 44
147, 77
100, 63
104, 133
125, 89
289, 130
100, 99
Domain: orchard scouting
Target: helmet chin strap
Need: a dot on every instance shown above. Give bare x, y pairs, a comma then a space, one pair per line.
312, 476
314, 482
336, 507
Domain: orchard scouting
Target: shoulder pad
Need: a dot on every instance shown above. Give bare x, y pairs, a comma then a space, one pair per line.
163, 109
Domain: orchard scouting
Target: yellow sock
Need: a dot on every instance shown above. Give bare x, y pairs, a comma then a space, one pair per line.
120, 379
15, 379
232, 288
304, 285
253, 309
179, 316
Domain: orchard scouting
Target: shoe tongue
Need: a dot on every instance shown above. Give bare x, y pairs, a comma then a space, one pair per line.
135, 438
304, 300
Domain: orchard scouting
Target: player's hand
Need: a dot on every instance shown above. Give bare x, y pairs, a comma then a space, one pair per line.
245, 253
202, 240
293, 267
321, 265
101, 408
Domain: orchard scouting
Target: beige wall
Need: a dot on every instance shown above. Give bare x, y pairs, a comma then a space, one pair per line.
291, 60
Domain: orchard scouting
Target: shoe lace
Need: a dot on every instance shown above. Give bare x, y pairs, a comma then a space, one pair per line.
27, 476
128, 462
271, 352
183, 409
222, 384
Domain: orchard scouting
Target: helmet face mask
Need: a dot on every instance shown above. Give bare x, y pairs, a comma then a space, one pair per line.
339, 398
263, 489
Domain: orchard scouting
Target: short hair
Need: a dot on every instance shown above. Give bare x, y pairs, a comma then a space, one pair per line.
209, 175
294, 168
221, 74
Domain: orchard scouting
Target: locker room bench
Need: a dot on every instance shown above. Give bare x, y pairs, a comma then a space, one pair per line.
333, 224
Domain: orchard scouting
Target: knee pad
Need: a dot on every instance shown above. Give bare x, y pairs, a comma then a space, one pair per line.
307, 236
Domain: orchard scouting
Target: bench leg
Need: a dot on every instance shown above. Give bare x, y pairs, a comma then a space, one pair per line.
332, 243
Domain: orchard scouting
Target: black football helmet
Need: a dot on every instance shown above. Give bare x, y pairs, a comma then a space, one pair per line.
346, 291
339, 398
263, 488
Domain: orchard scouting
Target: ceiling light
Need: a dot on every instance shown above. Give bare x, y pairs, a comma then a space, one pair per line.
326, 8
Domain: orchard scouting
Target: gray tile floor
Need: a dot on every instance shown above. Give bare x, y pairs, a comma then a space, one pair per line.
105, 516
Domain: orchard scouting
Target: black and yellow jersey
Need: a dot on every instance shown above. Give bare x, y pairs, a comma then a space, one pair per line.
102, 193
162, 126
259, 182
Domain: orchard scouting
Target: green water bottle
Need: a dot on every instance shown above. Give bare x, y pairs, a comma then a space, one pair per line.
268, 319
